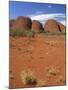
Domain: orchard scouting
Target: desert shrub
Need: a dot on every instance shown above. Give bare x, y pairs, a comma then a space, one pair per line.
52, 33
28, 78
57, 33
30, 81
22, 33
41, 83
31, 34
52, 71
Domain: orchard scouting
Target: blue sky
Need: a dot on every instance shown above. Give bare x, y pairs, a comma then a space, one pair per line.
37, 11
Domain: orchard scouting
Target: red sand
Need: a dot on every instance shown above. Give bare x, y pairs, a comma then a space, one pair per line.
37, 54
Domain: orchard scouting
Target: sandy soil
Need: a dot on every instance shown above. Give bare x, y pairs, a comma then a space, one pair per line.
39, 54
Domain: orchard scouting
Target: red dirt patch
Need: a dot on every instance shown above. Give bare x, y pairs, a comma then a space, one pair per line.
44, 55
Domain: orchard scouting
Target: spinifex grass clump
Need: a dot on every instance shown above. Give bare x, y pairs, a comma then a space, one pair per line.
52, 71
22, 33
41, 83
28, 78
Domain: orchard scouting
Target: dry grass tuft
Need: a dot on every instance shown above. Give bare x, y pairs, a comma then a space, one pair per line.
52, 71
28, 78
41, 83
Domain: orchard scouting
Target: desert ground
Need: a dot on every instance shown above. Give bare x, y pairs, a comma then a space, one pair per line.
43, 56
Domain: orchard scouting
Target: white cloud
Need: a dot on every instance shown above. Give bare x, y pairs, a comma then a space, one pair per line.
43, 17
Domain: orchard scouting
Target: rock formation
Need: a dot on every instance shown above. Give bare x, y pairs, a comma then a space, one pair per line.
23, 23
62, 27
36, 26
53, 26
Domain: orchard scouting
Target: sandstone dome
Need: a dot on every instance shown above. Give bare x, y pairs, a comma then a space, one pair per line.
36, 26
52, 26
23, 23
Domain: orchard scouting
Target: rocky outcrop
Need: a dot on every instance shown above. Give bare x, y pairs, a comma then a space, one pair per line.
23, 23
53, 26
36, 26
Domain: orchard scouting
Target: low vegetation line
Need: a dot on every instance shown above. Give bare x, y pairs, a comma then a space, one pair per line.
32, 33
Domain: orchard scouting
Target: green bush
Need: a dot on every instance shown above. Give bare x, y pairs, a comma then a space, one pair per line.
53, 33
22, 33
